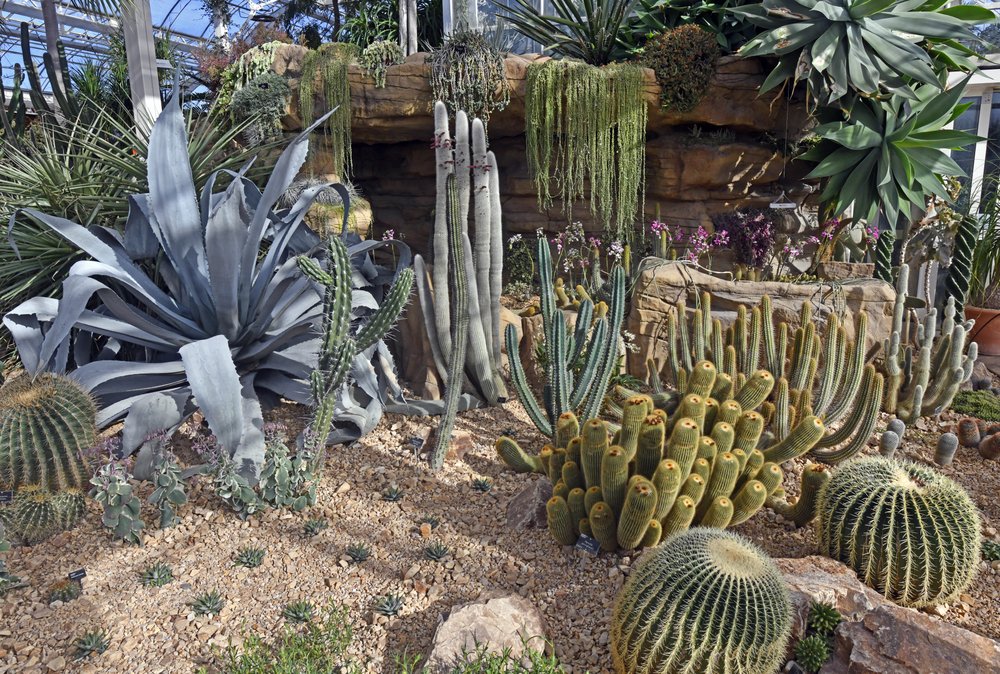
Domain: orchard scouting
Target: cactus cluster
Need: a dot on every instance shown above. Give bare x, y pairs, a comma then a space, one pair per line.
908, 531
36, 513
706, 601
924, 363
815, 372
974, 434
659, 474
64, 591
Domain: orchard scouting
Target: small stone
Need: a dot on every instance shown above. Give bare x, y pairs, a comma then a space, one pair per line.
56, 664
343, 488
425, 530
461, 444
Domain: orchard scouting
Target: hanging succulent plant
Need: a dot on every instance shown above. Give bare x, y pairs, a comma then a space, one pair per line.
467, 73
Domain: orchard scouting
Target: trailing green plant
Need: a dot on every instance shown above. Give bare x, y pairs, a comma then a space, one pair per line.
207, 603
299, 612
64, 591
586, 126
168, 489
393, 493
46, 423
653, 17
591, 31
468, 74
684, 60
92, 642
122, 508
314, 526
249, 557
36, 513
436, 551
924, 363
595, 340
261, 104
812, 652
823, 617
660, 626
157, 574
358, 552
378, 56
324, 72
482, 484
923, 525
250, 65
388, 605
842, 47
983, 405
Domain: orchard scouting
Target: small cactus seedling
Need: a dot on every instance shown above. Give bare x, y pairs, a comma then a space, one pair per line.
482, 484
314, 526
392, 494
299, 612
389, 605
64, 591
436, 551
888, 443
207, 603
156, 575
812, 652
823, 617
358, 552
991, 550
249, 558
947, 445
429, 520
92, 641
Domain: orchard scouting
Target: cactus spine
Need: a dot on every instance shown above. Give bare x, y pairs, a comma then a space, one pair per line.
706, 601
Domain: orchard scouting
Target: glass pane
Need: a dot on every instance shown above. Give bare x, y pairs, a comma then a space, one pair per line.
992, 152
967, 121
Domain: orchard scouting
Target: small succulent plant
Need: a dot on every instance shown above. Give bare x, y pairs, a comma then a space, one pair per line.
358, 552
990, 550
482, 484
389, 605
92, 641
298, 612
64, 591
314, 526
812, 652
156, 575
429, 519
392, 494
823, 617
249, 557
436, 551
207, 603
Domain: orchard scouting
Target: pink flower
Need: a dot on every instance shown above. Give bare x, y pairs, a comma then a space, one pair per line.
389, 235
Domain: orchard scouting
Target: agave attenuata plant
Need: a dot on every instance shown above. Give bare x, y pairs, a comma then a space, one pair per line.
201, 304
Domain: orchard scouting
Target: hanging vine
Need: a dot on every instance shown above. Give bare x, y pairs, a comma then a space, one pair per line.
248, 67
587, 125
467, 73
378, 56
329, 64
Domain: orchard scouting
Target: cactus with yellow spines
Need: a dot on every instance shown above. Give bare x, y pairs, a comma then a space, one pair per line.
561, 524
517, 458
724, 435
614, 478
667, 482
592, 448
573, 451
707, 448
803, 510
640, 503
693, 487
592, 496
853, 435
567, 428
729, 413
770, 476
649, 450
572, 476
604, 526
802, 439
635, 411
653, 535
683, 445
575, 501
748, 429
719, 514
679, 518
755, 391
702, 468
701, 379
748, 501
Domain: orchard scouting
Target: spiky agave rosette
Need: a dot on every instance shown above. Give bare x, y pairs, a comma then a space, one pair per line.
223, 326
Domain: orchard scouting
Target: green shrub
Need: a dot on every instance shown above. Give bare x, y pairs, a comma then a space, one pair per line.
684, 60
261, 102
983, 405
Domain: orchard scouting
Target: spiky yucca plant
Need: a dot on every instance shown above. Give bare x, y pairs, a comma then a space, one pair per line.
299, 612
92, 642
249, 557
707, 601
908, 531
207, 603
388, 605
156, 575
436, 551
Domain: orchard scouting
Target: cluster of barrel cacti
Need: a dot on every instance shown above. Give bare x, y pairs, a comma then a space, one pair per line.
975, 434
924, 363
660, 474
908, 531
816, 372
46, 424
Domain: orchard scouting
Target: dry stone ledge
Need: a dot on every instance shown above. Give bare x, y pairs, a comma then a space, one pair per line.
877, 636
495, 624
663, 284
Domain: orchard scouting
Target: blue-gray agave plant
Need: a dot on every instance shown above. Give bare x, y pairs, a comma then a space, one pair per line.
201, 304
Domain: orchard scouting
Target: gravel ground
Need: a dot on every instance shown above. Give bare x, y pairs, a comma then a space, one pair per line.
153, 630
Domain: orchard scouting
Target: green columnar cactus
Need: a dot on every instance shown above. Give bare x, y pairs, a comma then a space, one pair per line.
593, 447
614, 478
814, 478
908, 531
649, 452
561, 524
705, 601
756, 390
640, 503
37, 514
960, 270
883, 255
517, 458
803, 437
602, 524
944, 453
858, 427
45, 424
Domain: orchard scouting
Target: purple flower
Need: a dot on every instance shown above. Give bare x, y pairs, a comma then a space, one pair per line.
389, 235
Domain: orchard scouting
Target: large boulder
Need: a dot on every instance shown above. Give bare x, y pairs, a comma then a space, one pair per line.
661, 286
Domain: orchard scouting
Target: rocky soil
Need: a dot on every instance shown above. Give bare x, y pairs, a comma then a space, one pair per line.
153, 630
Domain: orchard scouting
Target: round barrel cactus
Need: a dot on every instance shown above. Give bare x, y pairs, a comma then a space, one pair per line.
908, 531
707, 601
45, 423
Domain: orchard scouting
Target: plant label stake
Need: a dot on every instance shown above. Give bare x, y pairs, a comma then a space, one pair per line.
77, 576
588, 545
6, 496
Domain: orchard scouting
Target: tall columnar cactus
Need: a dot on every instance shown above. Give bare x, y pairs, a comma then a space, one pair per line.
45, 423
595, 339
924, 363
650, 484
477, 183
908, 531
338, 347
960, 269
883, 255
706, 601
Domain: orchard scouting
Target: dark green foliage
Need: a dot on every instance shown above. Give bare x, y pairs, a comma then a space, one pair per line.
983, 405
960, 270
883, 255
261, 104
64, 591
299, 612
393, 494
436, 551
991, 550
358, 552
482, 484
823, 617
314, 526
207, 603
388, 605
653, 17
156, 575
684, 60
591, 32
378, 56
249, 557
92, 642
812, 652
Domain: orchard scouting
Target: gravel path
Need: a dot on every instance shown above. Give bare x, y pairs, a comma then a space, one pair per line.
153, 630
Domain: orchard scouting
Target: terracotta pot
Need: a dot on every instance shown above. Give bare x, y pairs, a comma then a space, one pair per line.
986, 332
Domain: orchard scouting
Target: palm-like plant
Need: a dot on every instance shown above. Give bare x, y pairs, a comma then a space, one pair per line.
590, 30
868, 46
984, 286
890, 154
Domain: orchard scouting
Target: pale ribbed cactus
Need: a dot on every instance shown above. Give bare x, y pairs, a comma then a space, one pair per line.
705, 602
476, 261
908, 531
